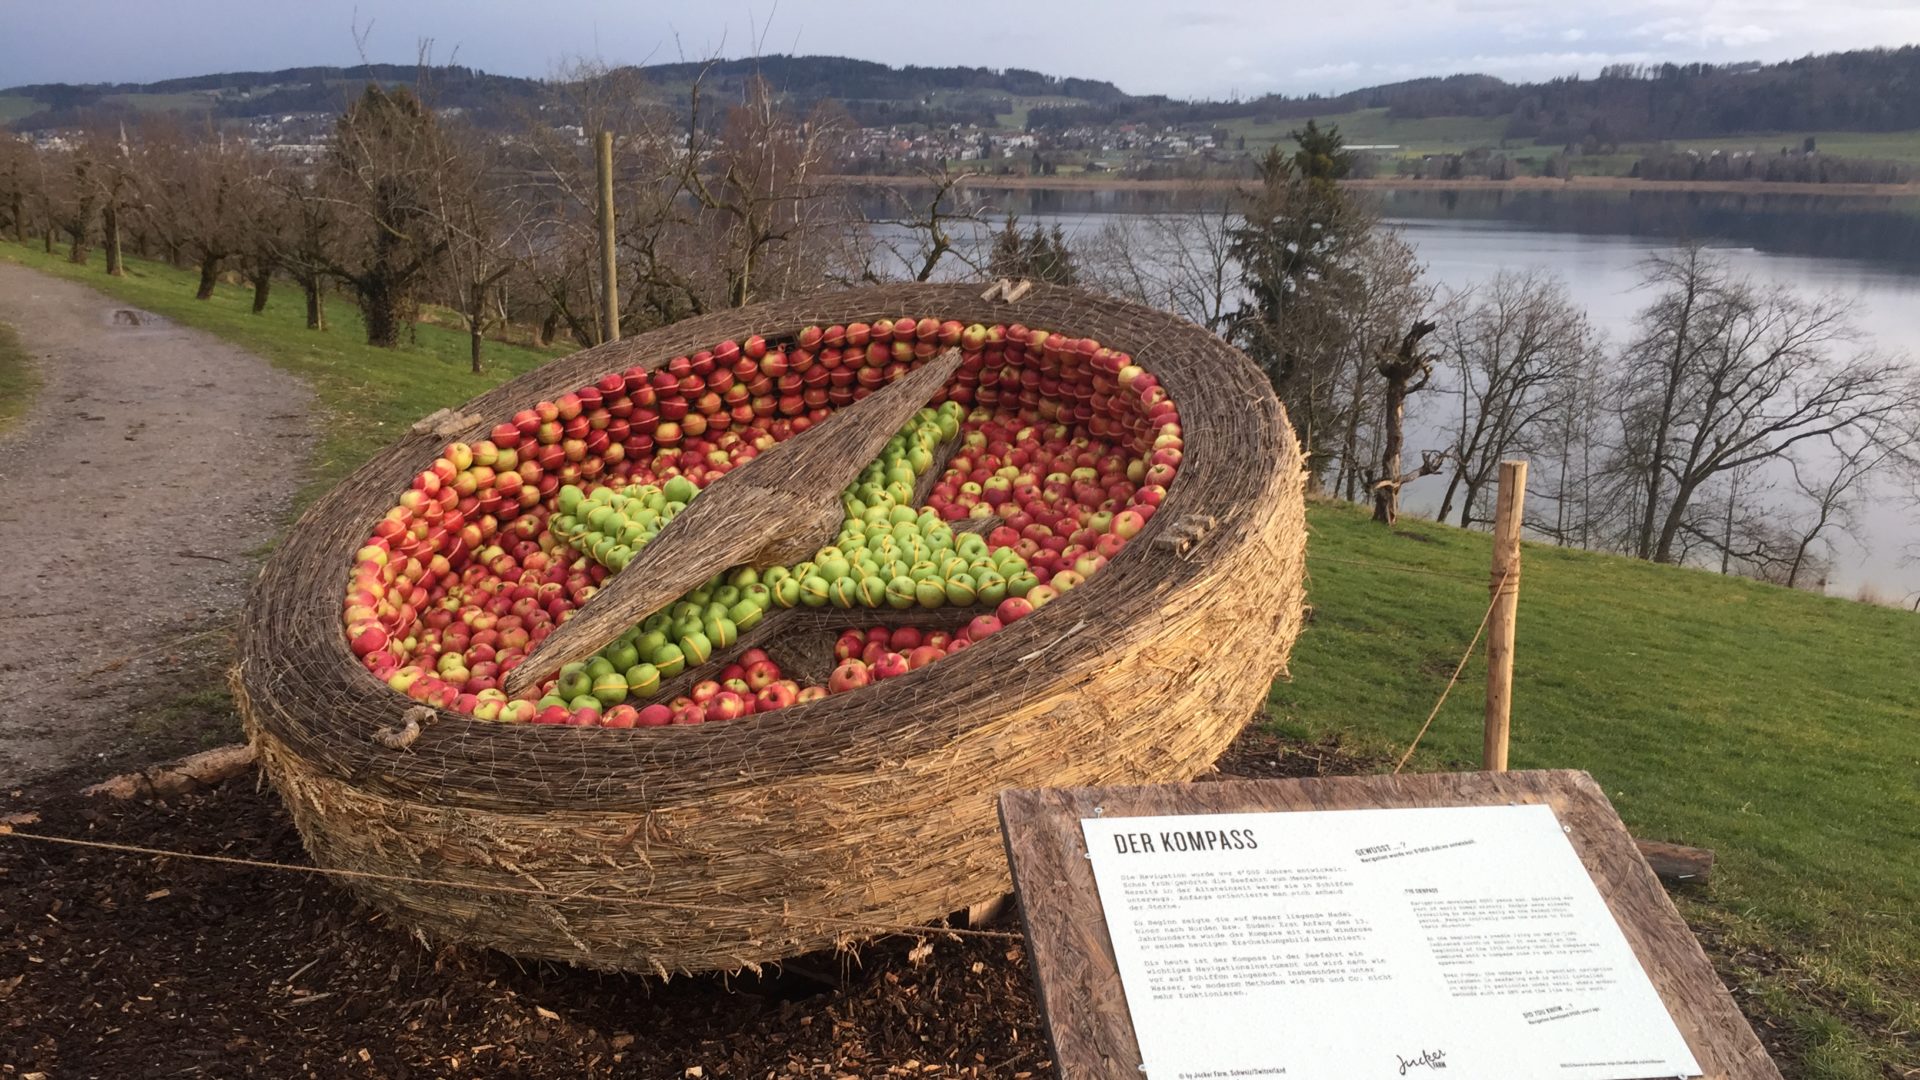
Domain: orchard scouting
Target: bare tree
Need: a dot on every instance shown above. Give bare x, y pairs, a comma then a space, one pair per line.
766, 199
298, 219
1180, 262
484, 223
1514, 345
198, 183
387, 150
19, 173
112, 178
1359, 326
1726, 374
926, 228
1831, 493
73, 201
1406, 371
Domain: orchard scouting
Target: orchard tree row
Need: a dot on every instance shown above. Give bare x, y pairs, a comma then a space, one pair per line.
717, 205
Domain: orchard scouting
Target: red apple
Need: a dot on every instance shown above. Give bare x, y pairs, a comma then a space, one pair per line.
982, 626
850, 675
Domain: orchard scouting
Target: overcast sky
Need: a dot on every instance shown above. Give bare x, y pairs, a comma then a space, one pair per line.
1187, 49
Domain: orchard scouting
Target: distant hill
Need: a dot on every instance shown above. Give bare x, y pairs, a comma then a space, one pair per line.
1866, 90
874, 93
1863, 91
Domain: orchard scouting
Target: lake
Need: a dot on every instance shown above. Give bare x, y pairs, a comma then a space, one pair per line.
1864, 249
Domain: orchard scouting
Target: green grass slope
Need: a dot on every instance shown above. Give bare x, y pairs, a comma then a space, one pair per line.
1779, 728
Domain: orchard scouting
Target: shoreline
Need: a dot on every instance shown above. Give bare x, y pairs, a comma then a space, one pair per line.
1583, 185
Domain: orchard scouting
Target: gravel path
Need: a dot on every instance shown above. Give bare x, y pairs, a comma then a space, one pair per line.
135, 499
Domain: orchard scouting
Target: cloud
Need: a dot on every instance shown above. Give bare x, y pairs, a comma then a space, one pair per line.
1325, 72
1572, 34
1707, 34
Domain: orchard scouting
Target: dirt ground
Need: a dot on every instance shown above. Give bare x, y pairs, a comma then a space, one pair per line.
117, 966
135, 498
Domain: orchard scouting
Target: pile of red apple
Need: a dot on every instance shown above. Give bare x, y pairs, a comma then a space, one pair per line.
1067, 445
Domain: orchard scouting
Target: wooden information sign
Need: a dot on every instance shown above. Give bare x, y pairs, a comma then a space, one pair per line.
1081, 991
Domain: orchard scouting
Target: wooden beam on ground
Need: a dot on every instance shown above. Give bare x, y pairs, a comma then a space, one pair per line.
1676, 864
190, 773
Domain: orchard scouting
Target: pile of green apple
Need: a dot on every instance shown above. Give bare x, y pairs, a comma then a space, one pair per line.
611, 525
1061, 451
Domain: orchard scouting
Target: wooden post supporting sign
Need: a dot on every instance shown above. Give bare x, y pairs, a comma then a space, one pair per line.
1505, 588
609, 277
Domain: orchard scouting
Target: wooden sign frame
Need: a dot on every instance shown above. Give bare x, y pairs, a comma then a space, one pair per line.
1080, 992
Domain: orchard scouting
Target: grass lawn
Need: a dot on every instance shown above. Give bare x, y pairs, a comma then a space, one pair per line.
369, 394
15, 106
18, 381
1779, 728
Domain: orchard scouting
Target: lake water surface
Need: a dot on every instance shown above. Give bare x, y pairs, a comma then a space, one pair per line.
1865, 250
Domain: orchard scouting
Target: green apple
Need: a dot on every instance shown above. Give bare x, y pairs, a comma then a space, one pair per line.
930, 592
844, 592
814, 591
960, 590
643, 680
697, 648
622, 654
747, 614
574, 680
669, 660
901, 592
610, 689
680, 490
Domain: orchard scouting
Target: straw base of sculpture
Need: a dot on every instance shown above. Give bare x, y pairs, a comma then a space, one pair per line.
725, 846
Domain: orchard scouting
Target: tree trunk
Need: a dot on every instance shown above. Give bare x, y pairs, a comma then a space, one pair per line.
548, 327
19, 218
316, 308
1453, 485
476, 314
380, 307
77, 253
1726, 536
262, 284
1386, 494
1399, 371
1670, 528
209, 277
1467, 496
110, 228
1657, 460
1350, 445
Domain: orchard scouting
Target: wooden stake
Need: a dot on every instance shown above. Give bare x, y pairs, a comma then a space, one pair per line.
1505, 588
609, 277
